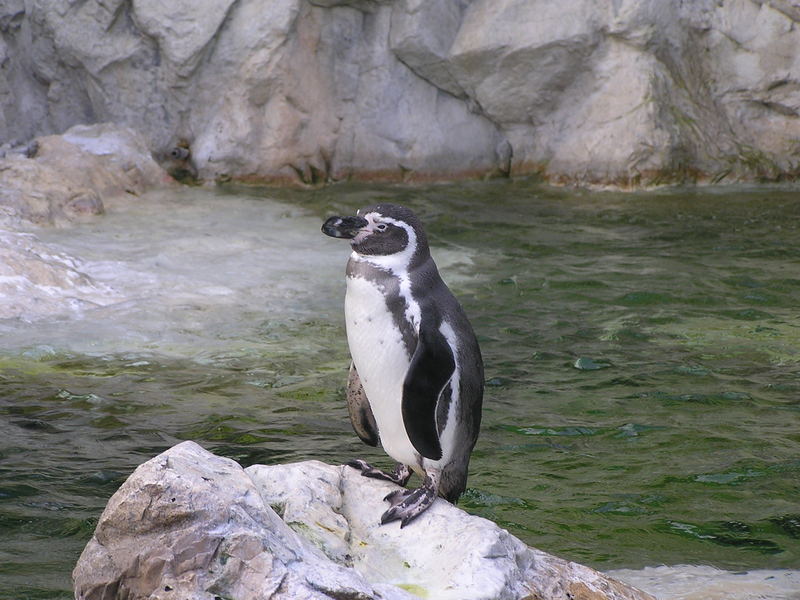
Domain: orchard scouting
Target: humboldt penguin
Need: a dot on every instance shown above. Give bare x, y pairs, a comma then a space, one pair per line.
416, 378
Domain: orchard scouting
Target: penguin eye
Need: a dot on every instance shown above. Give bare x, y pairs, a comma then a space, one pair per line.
381, 226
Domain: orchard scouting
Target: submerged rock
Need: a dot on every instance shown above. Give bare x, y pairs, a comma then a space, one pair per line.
702, 582
188, 524
37, 280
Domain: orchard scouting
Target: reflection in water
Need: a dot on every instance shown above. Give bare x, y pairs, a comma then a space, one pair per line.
642, 401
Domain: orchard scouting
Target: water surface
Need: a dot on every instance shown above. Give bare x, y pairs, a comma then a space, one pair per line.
643, 397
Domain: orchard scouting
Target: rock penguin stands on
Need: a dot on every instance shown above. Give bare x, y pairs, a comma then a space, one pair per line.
416, 378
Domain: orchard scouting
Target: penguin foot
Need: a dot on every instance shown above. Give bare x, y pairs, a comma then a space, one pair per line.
409, 504
396, 497
400, 475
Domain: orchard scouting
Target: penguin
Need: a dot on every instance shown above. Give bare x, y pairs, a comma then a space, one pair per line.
416, 380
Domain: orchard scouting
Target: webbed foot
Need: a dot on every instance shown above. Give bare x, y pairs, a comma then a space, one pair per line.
400, 475
407, 505
396, 497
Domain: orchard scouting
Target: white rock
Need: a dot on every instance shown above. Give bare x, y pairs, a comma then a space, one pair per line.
404, 127
755, 76
122, 151
192, 525
188, 524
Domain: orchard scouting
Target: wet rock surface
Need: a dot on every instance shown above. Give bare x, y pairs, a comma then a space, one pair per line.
37, 280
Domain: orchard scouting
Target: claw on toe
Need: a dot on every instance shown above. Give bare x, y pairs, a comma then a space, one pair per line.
367, 470
399, 476
396, 497
359, 464
389, 516
408, 505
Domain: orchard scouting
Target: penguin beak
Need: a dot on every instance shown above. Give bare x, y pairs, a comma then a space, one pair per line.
344, 227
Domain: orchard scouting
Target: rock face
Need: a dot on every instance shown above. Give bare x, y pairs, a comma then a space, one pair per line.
188, 524
627, 92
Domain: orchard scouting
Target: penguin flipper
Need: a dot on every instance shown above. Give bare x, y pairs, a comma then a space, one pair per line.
431, 369
360, 412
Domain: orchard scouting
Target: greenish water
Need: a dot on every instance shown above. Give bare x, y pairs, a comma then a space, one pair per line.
642, 356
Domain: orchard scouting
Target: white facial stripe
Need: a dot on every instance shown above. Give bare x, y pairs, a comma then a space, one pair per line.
397, 264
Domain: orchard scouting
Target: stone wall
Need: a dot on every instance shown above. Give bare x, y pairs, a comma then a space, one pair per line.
625, 92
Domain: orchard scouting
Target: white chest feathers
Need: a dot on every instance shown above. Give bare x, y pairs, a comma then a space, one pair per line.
380, 356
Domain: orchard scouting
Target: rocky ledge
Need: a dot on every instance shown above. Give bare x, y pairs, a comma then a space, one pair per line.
189, 524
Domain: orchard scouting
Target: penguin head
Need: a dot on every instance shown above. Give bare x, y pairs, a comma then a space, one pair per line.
381, 230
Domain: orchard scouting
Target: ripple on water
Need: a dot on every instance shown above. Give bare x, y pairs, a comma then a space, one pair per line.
682, 448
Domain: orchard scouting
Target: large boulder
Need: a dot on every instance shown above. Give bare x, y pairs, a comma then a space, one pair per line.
627, 92
60, 178
188, 524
